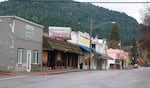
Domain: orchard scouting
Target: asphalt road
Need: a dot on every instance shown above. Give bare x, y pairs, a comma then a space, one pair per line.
136, 78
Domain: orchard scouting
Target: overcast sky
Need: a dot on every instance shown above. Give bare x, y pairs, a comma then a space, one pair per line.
132, 9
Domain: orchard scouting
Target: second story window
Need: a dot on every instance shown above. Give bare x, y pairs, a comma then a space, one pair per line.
93, 46
29, 31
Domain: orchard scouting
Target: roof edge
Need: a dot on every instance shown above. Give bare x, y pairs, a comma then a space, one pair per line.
22, 19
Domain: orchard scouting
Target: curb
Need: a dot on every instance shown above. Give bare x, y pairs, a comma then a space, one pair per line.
4, 74
41, 73
50, 73
60, 72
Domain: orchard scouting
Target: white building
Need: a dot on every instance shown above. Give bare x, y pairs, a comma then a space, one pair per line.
99, 58
83, 40
102, 59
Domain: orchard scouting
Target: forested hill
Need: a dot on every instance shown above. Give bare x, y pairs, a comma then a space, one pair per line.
75, 15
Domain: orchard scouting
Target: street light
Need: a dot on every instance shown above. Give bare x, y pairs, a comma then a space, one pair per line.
90, 47
100, 27
112, 22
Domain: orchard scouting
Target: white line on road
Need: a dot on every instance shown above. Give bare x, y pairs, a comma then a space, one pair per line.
12, 77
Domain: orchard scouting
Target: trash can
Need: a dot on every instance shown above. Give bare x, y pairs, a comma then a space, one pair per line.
81, 65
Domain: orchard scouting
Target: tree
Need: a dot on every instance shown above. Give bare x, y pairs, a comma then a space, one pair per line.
134, 52
145, 35
145, 31
74, 15
114, 35
114, 38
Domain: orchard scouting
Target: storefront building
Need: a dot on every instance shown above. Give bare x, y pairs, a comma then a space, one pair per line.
100, 56
82, 39
20, 44
58, 53
121, 59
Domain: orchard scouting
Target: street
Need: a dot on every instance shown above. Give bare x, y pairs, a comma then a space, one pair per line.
135, 78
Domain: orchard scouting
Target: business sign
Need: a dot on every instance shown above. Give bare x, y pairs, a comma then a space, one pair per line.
85, 41
60, 32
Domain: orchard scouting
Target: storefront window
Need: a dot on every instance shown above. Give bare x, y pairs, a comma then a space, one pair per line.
86, 60
36, 56
20, 56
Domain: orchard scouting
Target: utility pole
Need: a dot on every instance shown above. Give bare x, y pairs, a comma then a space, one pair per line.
90, 49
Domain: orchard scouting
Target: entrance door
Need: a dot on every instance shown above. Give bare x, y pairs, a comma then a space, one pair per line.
28, 60
99, 64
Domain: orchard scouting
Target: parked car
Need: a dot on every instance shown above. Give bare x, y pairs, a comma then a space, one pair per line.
135, 66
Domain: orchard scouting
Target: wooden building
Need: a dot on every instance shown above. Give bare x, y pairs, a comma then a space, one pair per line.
59, 54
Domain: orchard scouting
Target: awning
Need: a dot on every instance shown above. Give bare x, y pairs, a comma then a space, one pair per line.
53, 44
97, 53
84, 49
103, 56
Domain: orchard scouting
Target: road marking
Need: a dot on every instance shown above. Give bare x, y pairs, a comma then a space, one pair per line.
12, 77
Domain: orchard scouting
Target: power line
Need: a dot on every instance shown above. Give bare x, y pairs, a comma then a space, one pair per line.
120, 2
65, 1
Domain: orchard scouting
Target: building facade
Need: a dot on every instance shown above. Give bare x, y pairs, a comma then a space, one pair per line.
57, 52
20, 44
121, 59
102, 59
82, 39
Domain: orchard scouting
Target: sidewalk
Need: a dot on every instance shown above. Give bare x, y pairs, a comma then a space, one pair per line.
51, 72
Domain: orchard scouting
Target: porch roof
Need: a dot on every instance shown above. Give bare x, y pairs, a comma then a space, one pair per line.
53, 44
102, 56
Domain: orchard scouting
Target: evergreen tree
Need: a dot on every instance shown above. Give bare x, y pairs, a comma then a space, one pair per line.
71, 14
114, 35
114, 38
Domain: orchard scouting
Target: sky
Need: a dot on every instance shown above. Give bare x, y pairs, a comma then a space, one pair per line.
134, 10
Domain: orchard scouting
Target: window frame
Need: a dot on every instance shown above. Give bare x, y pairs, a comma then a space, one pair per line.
36, 56
20, 58
29, 32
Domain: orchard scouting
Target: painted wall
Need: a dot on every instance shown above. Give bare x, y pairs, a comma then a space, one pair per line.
81, 38
12, 39
5, 54
101, 45
74, 38
118, 54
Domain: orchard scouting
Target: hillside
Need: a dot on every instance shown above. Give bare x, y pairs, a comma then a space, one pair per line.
75, 15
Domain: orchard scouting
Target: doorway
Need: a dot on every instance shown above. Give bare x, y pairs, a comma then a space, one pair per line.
29, 53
